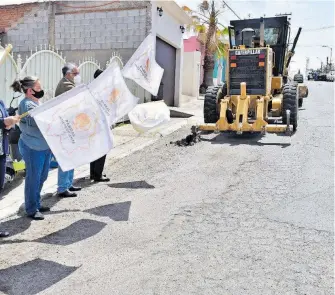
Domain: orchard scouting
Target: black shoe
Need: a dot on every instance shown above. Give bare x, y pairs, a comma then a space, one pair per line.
74, 189
67, 194
4, 234
37, 216
102, 179
44, 209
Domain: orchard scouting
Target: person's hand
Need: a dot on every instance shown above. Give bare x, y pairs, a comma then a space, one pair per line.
11, 121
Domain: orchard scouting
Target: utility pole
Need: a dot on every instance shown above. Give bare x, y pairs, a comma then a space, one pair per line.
331, 53
52, 24
307, 65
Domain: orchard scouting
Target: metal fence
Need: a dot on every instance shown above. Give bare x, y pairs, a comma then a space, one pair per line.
47, 63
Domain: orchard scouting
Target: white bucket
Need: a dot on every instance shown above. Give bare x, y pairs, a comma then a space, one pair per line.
147, 116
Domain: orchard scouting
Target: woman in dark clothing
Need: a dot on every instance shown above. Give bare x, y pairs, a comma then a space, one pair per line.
97, 166
6, 123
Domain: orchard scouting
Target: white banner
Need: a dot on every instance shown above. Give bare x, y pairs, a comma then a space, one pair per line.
75, 128
112, 94
142, 67
4, 52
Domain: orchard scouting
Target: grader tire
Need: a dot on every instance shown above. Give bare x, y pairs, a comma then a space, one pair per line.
290, 102
298, 78
210, 105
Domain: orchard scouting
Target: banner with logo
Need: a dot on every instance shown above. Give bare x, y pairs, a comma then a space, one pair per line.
112, 94
76, 124
143, 68
75, 128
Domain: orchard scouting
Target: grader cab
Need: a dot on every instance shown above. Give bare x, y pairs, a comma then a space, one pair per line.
258, 95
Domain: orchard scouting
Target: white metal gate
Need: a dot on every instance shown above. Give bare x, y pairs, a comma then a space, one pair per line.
47, 63
8, 72
87, 70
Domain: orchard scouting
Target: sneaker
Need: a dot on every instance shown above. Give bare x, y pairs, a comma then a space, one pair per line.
74, 189
44, 209
67, 194
36, 216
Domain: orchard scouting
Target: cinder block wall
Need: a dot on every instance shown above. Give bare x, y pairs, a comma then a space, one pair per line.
87, 28
31, 31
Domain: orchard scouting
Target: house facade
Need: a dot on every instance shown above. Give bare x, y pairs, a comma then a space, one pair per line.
193, 71
98, 29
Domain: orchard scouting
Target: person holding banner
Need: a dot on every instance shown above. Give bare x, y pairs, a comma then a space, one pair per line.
6, 123
71, 77
33, 147
97, 166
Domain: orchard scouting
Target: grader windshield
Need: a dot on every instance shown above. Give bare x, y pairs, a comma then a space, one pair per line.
275, 35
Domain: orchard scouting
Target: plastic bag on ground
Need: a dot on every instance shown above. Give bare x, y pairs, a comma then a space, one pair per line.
147, 116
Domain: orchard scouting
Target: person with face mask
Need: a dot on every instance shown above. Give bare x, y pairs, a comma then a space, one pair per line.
71, 78
97, 166
33, 147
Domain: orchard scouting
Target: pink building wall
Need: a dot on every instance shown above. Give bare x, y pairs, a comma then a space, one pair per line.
192, 44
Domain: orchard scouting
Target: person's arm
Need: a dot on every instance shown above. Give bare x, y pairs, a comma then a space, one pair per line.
67, 86
30, 120
2, 120
2, 123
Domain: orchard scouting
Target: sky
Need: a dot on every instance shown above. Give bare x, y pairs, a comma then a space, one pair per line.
311, 15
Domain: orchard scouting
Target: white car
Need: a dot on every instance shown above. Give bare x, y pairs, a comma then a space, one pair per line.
331, 76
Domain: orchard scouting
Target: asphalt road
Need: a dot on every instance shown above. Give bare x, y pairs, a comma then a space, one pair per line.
228, 215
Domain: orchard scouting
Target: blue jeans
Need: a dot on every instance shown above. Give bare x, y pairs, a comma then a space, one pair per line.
2, 171
37, 170
65, 180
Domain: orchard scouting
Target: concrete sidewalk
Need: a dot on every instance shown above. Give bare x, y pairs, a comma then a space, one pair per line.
126, 140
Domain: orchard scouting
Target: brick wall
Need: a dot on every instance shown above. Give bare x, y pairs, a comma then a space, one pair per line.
11, 14
85, 28
31, 31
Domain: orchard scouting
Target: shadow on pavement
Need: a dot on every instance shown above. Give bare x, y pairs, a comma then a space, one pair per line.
32, 277
15, 226
132, 184
76, 232
244, 139
48, 200
85, 182
11, 186
116, 212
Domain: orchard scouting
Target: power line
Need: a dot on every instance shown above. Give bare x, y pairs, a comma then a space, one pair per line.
319, 29
225, 3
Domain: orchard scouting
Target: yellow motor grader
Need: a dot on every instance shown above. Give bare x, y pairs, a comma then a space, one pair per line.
258, 95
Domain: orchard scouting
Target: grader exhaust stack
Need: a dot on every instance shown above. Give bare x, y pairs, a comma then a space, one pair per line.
261, 33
